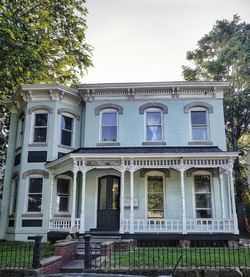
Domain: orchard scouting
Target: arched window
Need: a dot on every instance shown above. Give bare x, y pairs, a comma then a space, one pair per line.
155, 194
40, 126
153, 125
109, 125
67, 127
34, 194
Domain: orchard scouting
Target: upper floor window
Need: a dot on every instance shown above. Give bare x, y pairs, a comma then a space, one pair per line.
20, 130
199, 123
154, 127
34, 198
203, 203
63, 195
109, 126
66, 130
40, 127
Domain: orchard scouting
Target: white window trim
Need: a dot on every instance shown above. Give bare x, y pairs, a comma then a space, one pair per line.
55, 195
201, 173
20, 131
33, 126
73, 129
158, 174
202, 109
145, 125
15, 182
100, 125
27, 192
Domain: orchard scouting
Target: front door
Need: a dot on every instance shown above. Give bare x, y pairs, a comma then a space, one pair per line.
108, 214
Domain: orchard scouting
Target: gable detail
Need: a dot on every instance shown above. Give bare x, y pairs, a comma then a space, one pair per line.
65, 110
40, 107
198, 104
108, 106
161, 106
44, 173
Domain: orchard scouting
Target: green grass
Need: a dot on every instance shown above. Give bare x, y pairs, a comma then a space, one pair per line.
166, 257
20, 254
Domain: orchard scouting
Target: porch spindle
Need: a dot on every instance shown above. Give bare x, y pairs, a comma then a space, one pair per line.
131, 201
73, 209
82, 224
236, 229
183, 204
222, 194
122, 203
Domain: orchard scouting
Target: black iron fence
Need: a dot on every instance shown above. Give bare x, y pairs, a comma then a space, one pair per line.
129, 255
15, 254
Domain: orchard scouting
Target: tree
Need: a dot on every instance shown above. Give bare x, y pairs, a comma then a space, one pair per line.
224, 55
41, 41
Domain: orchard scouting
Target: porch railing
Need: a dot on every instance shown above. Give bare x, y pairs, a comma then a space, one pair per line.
173, 225
63, 224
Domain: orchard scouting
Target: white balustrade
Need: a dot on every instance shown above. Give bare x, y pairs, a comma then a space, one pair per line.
175, 225
63, 224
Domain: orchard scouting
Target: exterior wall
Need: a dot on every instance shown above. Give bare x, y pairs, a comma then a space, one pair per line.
176, 123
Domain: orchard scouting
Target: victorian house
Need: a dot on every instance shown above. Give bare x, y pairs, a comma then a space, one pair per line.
132, 159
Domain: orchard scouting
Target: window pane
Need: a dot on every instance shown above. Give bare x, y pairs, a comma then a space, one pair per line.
155, 201
63, 186
199, 117
153, 118
34, 202
203, 213
155, 184
40, 134
63, 204
109, 119
35, 185
154, 133
156, 214
115, 196
202, 180
41, 119
203, 201
109, 133
67, 123
199, 133
66, 138
103, 194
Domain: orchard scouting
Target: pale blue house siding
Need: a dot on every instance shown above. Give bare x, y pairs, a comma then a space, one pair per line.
176, 123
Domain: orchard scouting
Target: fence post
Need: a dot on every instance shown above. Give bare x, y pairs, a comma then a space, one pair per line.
36, 250
87, 256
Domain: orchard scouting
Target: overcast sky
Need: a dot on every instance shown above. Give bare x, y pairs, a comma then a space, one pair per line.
147, 40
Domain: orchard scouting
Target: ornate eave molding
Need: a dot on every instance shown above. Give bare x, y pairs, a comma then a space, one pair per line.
90, 92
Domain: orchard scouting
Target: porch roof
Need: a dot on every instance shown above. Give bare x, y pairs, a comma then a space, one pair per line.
153, 149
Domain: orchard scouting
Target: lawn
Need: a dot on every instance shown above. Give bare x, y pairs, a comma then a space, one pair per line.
20, 254
166, 257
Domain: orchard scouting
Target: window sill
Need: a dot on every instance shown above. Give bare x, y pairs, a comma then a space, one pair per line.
154, 143
42, 144
66, 147
205, 142
32, 214
108, 144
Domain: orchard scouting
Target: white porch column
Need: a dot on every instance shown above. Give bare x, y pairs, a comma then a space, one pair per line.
52, 178
82, 216
122, 202
183, 203
222, 193
235, 220
73, 207
131, 229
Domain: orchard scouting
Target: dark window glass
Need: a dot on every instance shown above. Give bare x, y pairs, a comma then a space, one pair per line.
40, 128
63, 195
199, 125
37, 156
35, 195
66, 130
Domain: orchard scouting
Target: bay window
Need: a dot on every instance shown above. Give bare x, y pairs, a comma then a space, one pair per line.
40, 127
66, 130
35, 194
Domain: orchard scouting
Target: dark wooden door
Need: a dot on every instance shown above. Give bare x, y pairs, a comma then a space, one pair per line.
108, 213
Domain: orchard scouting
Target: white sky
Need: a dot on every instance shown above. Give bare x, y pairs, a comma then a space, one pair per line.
147, 40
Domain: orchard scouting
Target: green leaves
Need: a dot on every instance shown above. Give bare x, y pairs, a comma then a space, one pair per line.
41, 41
